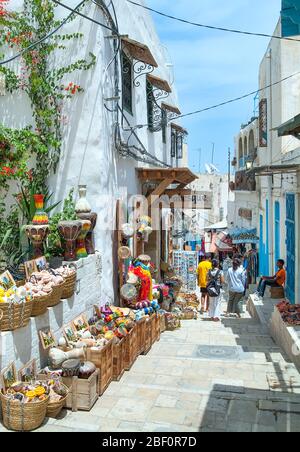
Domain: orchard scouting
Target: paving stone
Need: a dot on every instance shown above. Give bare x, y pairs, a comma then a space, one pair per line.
131, 426
205, 377
133, 410
244, 411
169, 415
166, 401
239, 427
284, 407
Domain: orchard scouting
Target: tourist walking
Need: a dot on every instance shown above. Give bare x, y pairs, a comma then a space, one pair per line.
236, 280
202, 272
215, 281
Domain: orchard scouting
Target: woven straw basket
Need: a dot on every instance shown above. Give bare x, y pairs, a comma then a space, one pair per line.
14, 316
54, 408
23, 417
69, 286
56, 295
40, 305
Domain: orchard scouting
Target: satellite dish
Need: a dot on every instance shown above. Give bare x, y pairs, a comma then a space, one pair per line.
208, 168
211, 169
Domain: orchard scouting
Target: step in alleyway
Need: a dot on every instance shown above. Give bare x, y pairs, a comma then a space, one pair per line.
205, 377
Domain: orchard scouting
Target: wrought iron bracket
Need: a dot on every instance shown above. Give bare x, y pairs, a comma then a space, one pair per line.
158, 118
140, 69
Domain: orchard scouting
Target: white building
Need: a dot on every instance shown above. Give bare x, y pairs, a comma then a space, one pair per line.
115, 126
243, 211
275, 205
217, 188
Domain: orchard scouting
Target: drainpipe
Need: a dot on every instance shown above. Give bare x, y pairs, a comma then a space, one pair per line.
270, 178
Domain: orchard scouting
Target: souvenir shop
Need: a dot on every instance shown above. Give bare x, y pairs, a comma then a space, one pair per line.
245, 242
63, 345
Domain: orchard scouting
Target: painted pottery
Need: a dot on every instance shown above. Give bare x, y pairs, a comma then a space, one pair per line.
69, 231
127, 231
81, 251
37, 235
82, 205
40, 218
89, 240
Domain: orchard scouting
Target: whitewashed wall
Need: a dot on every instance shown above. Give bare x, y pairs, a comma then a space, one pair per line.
24, 344
88, 153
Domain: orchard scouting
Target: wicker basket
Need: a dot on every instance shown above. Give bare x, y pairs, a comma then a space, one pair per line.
56, 295
21, 283
14, 316
40, 305
54, 408
69, 286
23, 417
188, 315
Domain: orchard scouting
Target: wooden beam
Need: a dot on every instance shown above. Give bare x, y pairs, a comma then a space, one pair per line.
159, 190
179, 192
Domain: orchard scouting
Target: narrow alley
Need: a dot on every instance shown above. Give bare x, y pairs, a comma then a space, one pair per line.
205, 377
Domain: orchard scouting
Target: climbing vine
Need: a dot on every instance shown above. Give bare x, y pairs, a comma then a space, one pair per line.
44, 86
33, 152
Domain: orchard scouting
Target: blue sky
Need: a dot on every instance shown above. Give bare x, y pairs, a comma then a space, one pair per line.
212, 66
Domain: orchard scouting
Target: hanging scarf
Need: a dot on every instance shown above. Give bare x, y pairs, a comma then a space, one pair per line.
143, 272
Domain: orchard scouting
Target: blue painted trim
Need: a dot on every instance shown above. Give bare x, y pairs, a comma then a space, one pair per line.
277, 231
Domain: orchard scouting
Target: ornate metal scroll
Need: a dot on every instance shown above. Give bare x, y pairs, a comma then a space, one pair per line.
139, 69
159, 120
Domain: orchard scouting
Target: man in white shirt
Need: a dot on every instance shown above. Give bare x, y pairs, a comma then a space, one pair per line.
236, 280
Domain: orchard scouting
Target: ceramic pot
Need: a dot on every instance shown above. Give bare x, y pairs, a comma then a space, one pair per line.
69, 231
37, 235
89, 240
81, 251
82, 205
40, 218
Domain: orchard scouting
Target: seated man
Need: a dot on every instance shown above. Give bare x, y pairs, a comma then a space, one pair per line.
278, 280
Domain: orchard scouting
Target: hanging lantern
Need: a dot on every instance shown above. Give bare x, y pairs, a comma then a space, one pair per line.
2, 84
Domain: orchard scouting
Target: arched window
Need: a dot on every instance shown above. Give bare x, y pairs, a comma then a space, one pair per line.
251, 144
245, 147
241, 153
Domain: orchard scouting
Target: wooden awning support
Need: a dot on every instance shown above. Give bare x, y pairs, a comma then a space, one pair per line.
139, 51
171, 108
165, 178
181, 176
179, 192
159, 83
179, 128
159, 191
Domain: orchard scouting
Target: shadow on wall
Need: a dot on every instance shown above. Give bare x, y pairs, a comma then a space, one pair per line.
16, 111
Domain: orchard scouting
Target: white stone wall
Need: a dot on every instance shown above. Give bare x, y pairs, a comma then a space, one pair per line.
88, 153
281, 60
24, 344
218, 186
244, 200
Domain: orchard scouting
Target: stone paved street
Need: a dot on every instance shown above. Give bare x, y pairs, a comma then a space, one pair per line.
205, 377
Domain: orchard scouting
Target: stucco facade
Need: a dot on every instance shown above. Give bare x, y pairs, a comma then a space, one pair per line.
275, 202
92, 133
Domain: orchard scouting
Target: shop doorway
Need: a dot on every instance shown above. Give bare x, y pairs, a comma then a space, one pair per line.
277, 232
291, 246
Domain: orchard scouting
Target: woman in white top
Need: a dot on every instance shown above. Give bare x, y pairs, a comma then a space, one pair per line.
216, 278
236, 280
